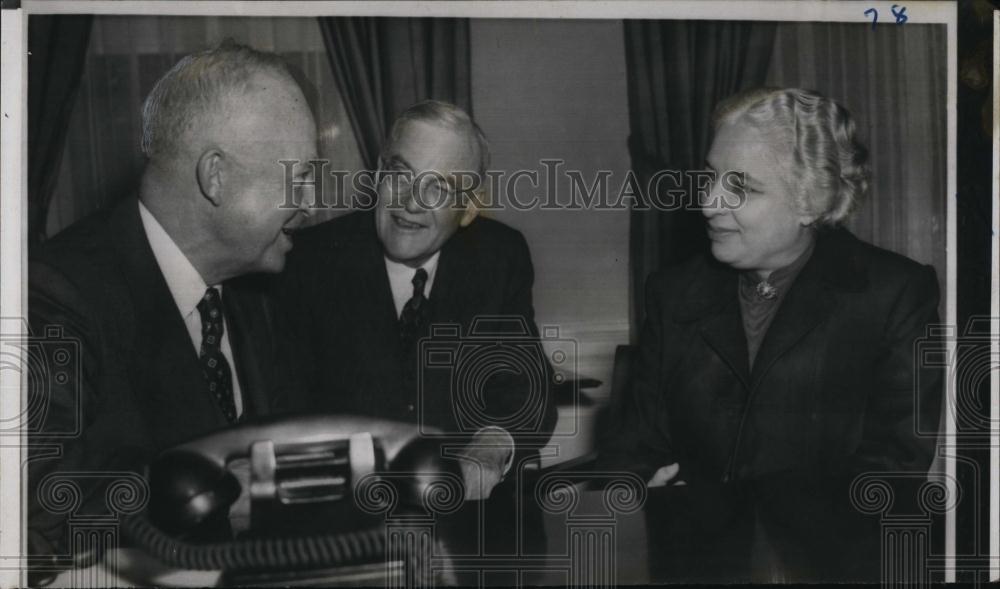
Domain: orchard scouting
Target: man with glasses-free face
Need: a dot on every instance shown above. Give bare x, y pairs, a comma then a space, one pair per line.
163, 292
363, 291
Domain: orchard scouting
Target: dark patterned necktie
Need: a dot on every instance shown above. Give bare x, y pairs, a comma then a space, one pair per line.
214, 366
412, 317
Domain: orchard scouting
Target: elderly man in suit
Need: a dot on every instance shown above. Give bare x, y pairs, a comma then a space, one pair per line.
364, 290
162, 291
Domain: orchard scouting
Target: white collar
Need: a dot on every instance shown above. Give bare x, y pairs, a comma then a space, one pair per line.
401, 279
396, 269
185, 284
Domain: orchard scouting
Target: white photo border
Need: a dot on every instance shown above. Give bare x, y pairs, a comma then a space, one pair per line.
13, 199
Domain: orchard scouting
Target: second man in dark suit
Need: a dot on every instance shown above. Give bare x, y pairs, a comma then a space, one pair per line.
364, 289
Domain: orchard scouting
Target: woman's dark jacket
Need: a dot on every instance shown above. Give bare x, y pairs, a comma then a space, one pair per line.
834, 392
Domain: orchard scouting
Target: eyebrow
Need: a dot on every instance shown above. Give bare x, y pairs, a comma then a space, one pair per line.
747, 177
399, 159
448, 178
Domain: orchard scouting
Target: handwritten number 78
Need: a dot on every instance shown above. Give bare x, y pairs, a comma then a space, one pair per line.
900, 15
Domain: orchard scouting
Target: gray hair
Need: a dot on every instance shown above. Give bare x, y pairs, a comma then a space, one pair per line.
830, 173
194, 87
446, 115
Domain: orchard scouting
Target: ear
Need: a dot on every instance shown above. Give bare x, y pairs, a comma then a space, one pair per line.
470, 212
210, 176
808, 220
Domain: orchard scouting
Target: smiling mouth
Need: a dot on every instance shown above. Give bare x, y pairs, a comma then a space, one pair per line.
720, 231
404, 224
293, 225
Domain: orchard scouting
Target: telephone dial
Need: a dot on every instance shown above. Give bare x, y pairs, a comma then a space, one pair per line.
279, 494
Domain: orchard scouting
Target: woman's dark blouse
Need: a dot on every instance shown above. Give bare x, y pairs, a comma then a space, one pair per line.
758, 311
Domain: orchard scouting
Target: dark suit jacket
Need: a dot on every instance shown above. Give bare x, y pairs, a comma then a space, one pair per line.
832, 393
337, 293
140, 388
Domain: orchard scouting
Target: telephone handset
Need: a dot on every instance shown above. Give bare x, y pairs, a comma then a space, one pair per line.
298, 478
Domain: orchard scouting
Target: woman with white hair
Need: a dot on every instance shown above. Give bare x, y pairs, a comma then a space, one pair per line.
776, 370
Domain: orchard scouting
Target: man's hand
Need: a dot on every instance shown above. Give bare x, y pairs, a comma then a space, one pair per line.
485, 461
666, 475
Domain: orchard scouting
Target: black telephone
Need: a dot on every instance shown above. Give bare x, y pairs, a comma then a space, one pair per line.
299, 476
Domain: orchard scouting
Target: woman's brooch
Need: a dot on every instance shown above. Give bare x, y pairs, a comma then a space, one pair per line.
766, 291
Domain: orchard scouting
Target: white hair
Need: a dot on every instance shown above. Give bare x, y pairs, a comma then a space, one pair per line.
193, 89
829, 166
448, 116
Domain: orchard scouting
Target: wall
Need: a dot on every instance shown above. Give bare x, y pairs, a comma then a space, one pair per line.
536, 100
557, 89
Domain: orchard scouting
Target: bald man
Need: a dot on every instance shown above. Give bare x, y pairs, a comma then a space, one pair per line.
159, 299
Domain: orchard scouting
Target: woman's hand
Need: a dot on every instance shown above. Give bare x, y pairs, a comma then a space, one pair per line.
666, 475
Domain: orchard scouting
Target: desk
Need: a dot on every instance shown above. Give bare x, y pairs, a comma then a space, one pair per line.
129, 567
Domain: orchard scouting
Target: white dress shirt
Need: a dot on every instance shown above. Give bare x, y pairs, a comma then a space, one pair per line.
491, 442
401, 280
188, 288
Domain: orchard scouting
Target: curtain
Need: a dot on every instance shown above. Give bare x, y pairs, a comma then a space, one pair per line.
894, 84
677, 72
383, 65
57, 47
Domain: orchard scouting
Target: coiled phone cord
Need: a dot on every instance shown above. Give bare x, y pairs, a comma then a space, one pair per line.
259, 553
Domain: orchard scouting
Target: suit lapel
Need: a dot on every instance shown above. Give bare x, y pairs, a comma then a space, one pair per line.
248, 334
373, 296
805, 306
711, 301
811, 298
724, 333
160, 333
453, 268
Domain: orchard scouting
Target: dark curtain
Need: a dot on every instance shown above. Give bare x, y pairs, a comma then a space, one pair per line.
384, 65
677, 72
57, 51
